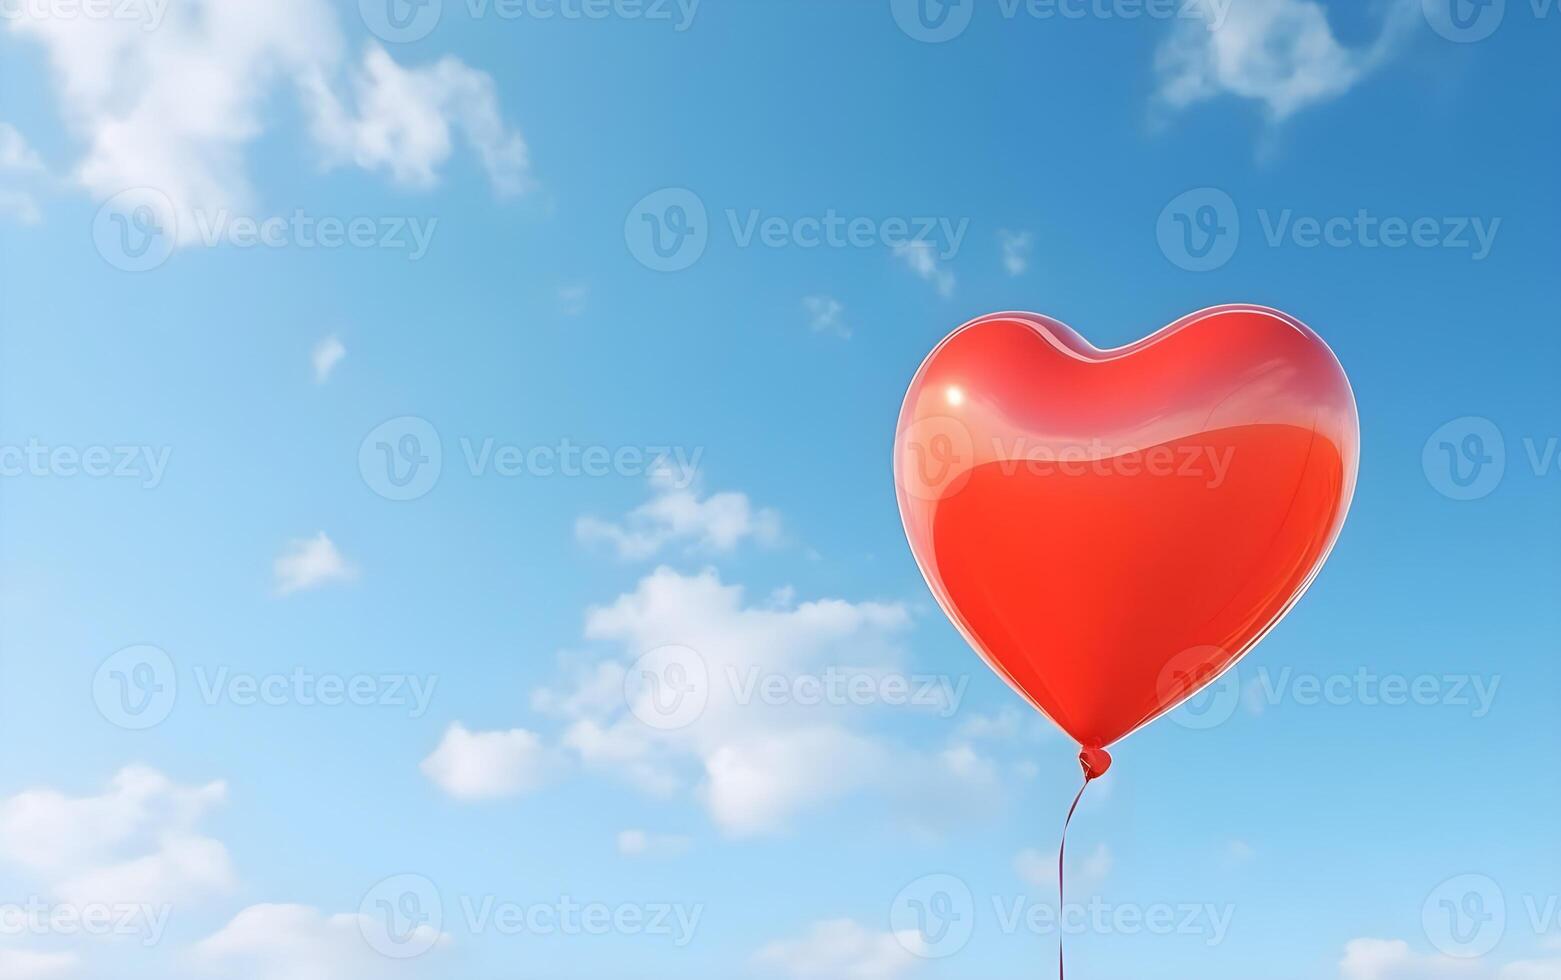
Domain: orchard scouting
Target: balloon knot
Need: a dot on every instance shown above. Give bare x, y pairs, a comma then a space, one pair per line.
1095, 763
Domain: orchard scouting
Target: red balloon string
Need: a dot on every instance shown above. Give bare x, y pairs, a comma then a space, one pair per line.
1095, 763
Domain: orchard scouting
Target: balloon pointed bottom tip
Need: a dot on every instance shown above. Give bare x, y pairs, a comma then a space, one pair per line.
1095, 763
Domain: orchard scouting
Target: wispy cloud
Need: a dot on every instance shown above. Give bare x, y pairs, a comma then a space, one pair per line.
309, 563
1016, 247
826, 315
922, 259
326, 355
677, 513
1280, 53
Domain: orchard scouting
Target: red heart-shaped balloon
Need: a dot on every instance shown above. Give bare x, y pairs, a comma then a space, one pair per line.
1113, 529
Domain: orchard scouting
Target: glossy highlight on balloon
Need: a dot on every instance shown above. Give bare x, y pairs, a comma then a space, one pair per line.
1112, 529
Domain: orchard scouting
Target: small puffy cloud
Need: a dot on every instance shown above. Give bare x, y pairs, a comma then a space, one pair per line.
1392, 959
826, 315
1280, 53
21, 964
678, 514
644, 844
1016, 251
325, 356
486, 765
751, 758
308, 563
294, 942
135, 843
841, 949
921, 258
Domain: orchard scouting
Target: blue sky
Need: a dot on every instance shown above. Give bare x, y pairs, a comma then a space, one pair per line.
338, 353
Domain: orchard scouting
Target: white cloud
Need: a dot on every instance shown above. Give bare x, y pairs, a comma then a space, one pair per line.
405, 117
325, 356
294, 942
135, 843
1393, 959
922, 259
18, 964
676, 513
311, 562
842, 949
753, 761
1016, 251
826, 315
643, 843
176, 108
1282, 53
486, 765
